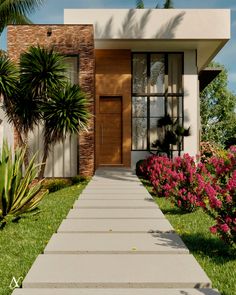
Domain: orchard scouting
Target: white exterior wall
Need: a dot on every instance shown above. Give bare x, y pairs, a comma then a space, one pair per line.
153, 23
191, 103
206, 30
6, 130
62, 159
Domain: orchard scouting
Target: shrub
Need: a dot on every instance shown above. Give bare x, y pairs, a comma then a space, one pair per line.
141, 168
80, 179
53, 185
182, 186
18, 194
158, 169
219, 197
211, 185
176, 179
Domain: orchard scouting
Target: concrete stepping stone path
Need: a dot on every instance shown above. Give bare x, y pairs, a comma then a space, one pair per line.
113, 204
129, 291
120, 243
112, 213
115, 241
115, 196
116, 271
115, 226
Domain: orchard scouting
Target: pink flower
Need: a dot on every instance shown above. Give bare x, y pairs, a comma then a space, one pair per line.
224, 227
213, 229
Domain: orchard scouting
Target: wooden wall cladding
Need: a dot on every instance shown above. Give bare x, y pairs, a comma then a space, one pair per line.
113, 78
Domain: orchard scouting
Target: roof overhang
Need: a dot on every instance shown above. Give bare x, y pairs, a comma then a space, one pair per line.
203, 30
206, 76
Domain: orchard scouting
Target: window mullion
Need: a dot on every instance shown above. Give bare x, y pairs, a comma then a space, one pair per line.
148, 98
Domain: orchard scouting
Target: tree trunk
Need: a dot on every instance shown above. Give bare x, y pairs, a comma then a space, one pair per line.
23, 143
42, 168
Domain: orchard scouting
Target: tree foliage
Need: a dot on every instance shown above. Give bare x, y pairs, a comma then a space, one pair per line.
16, 11
167, 4
218, 103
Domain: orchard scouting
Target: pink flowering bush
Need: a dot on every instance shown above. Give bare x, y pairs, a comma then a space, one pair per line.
188, 185
175, 179
158, 170
182, 187
219, 195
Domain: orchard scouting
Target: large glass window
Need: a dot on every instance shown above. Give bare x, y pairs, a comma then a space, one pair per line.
157, 93
72, 69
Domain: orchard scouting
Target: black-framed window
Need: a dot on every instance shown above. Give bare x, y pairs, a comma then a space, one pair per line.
157, 91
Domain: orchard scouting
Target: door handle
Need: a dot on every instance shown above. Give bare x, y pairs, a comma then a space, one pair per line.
102, 134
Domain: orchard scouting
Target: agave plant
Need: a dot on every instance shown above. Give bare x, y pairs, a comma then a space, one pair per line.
18, 193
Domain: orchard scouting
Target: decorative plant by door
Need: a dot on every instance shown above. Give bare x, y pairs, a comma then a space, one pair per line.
170, 134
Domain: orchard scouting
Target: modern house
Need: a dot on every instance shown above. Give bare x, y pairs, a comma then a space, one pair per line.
136, 66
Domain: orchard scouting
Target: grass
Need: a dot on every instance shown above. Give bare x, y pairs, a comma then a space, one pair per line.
22, 242
217, 259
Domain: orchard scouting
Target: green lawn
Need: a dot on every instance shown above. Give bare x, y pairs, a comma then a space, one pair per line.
218, 260
22, 242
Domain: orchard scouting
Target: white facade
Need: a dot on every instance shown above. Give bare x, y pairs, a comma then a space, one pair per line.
198, 33
203, 30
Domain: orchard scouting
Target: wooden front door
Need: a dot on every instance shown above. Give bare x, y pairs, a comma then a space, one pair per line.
110, 131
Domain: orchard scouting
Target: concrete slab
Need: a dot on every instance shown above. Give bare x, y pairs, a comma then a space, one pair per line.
124, 179
119, 204
116, 271
115, 191
109, 243
114, 186
109, 196
108, 183
115, 226
115, 292
115, 213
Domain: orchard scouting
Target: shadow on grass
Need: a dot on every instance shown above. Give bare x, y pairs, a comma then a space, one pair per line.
209, 246
173, 211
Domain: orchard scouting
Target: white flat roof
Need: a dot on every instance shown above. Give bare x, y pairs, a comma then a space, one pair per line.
205, 30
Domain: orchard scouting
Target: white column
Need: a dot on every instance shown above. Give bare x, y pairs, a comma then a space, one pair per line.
191, 103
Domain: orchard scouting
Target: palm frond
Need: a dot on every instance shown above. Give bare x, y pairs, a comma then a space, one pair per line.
25, 112
8, 77
168, 4
66, 112
139, 4
41, 70
12, 11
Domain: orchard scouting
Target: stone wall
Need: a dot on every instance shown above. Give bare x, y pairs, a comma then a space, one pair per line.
67, 40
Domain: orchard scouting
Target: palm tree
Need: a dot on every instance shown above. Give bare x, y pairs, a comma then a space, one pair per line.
15, 11
8, 91
61, 107
168, 4
20, 109
66, 112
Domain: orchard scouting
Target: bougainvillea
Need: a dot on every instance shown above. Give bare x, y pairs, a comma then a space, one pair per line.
219, 197
188, 185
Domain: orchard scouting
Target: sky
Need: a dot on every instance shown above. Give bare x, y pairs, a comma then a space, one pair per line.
52, 13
